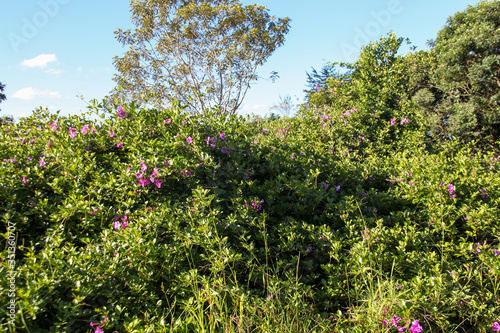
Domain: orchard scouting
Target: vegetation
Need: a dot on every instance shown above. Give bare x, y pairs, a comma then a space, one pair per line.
203, 54
355, 215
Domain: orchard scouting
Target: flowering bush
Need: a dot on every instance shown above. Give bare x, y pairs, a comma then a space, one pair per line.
155, 220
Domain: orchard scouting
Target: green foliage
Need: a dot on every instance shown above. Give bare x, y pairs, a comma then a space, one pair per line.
467, 72
2, 95
153, 220
203, 54
372, 97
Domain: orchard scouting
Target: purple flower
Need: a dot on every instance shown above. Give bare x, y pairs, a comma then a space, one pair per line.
415, 327
125, 225
189, 139
207, 141
495, 327
42, 162
496, 252
309, 249
121, 112
84, 129
24, 180
326, 186
222, 136
337, 188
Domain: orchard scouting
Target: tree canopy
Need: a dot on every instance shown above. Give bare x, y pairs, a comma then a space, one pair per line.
2, 95
203, 54
467, 53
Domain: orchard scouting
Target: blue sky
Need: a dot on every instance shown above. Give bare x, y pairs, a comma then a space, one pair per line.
53, 51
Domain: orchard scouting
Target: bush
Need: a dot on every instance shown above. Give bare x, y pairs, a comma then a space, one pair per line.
153, 220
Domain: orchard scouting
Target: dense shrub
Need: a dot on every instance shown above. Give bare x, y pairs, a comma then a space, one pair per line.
152, 220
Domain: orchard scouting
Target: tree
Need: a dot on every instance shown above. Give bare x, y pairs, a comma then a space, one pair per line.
2, 95
203, 54
467, 51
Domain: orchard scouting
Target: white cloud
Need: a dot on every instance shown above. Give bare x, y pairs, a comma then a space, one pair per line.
40, 61
256, 107
31, 93
53, 71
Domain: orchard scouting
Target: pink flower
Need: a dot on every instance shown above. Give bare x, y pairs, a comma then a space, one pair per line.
99, 329
84, 129
24, 181
167, 121
393, 121
119, 145
495, 327
415, 327
222, 136
71, 132
144, 167
121, 112
117, 225
189, 139
42, 162
111, 134
125, 225
155, 172
158, 183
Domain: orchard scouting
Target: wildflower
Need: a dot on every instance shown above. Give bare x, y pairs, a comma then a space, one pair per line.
119, 145
30, 159
155, 172
48, 144
337, 188
144, 167
111, 134
189, 139
42, 162
207, 140
125, 225
222, 136
309, 249
496, 252
84, 129
158, 183
99, 329
121, 112
167, 121
495, 327
393, 121
117, 225
139, 175
71, 132
54, 126
24, 180
326, 186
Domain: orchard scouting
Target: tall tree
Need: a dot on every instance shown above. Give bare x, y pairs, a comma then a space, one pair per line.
201, 53
2, 95
467, 51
